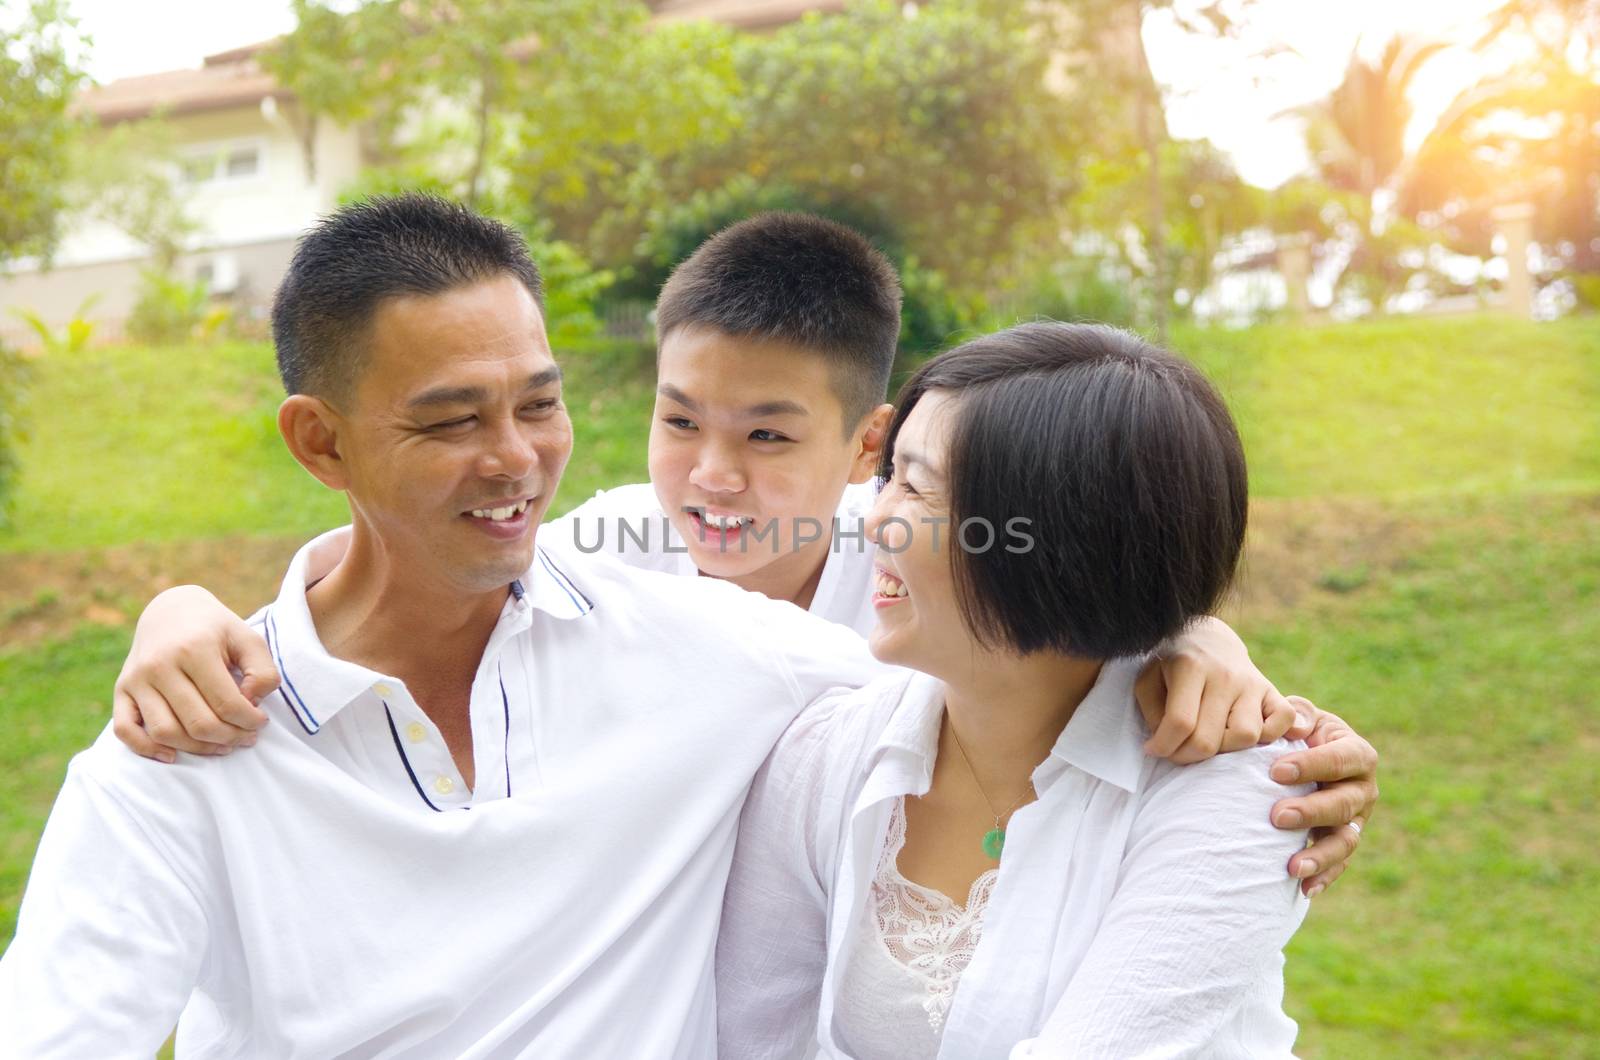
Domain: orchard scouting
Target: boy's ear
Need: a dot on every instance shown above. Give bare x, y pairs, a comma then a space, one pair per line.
310, 427
870, 437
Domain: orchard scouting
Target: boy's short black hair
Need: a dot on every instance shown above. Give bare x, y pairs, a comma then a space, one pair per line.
800, 279
1126, 463
360, 255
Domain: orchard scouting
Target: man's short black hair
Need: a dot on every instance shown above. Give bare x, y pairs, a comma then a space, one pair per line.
799, 279
1128, 466
360, 255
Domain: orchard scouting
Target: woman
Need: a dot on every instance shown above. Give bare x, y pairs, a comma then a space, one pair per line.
981, 861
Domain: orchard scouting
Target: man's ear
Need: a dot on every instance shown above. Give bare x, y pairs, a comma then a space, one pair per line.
870, 435
310, 427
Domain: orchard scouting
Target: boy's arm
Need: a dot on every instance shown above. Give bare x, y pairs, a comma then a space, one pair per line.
177, 691
110, 937
1202, 695
196, 671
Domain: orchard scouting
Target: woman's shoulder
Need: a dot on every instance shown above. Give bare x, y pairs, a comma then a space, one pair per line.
1229, 789
837, 732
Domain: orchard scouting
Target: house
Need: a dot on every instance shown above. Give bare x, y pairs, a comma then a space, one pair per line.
253, 179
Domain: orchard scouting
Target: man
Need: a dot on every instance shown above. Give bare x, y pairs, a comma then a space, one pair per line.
498, 807
777, 338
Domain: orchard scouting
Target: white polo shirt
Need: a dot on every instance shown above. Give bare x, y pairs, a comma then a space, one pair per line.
844, 592
338, 890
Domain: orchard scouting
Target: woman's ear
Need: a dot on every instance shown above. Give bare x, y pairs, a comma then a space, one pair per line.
311, 428
870, 436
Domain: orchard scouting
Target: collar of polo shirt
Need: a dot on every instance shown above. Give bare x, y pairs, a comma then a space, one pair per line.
1104, 738
317, 685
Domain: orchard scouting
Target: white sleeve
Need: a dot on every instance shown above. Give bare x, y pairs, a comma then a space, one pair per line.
110, 937
1202, 910
772, 947
821, 655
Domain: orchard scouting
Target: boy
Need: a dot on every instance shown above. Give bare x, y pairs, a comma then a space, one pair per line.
776, 342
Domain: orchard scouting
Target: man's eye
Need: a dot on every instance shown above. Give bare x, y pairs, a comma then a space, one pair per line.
452, 424
543, 405
764, 435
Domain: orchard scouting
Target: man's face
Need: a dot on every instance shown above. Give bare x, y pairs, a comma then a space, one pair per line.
749, 454
455, 436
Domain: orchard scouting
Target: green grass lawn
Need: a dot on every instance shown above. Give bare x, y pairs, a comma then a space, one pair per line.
1467, 646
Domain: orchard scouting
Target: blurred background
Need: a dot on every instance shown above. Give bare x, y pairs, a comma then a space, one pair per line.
1375, 224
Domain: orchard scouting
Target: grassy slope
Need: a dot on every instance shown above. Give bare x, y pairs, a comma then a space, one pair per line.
1471, 660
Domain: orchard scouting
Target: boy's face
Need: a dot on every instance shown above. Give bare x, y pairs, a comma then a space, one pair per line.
749, 455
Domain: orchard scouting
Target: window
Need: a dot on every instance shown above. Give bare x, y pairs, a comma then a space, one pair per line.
216, 163
243, 162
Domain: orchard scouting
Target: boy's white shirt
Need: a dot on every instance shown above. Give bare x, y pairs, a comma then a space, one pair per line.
844, 592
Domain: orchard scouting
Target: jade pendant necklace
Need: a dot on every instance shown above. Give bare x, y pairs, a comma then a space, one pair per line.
994, 840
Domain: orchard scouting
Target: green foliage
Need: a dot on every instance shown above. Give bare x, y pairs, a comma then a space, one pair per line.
40, 71
1082, 288
73, 337
172, 310
14, 377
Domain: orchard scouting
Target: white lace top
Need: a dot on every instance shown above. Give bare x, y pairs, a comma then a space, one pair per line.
901, 975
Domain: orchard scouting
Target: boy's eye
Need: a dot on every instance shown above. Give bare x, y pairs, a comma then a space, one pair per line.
678, 423
764, 435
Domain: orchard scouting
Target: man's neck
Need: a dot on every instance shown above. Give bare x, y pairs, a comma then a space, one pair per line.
375, 610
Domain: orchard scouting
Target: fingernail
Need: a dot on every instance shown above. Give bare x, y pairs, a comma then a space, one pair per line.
166, 756
247, 742
1316, 889
1288, 819
1285, 772
1306, 869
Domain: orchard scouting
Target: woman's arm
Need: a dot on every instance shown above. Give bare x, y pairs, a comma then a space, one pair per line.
772, 947
1201, 912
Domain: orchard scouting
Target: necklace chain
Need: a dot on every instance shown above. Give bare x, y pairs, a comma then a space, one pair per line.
998, 817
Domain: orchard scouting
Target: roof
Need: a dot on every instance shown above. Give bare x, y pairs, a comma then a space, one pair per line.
235, 78
232, 78
743, 14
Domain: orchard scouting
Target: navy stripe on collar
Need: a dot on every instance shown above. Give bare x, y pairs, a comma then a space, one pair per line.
580, 601
395, 733
291, 695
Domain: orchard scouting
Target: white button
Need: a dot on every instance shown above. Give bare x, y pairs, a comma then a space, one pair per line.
382, 689
416, 732
444, 785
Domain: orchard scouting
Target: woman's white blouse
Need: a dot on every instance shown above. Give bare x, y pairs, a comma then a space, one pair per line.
900, 977
1141, 909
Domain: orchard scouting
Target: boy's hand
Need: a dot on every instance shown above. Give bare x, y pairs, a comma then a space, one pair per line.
1204, 696
177, 690
1345, 769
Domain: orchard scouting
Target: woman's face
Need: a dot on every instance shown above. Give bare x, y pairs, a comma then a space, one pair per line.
919, 625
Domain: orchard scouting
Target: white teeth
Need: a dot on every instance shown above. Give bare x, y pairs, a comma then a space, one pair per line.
890, 586
724, 522
501, 514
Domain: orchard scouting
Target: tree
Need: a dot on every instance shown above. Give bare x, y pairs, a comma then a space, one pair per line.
40, 50
1530, 133
39, 72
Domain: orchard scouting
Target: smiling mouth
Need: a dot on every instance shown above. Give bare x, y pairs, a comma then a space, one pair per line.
503, 514
886, 586
719, 524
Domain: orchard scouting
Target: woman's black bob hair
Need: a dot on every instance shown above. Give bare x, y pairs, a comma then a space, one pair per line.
1127, 466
